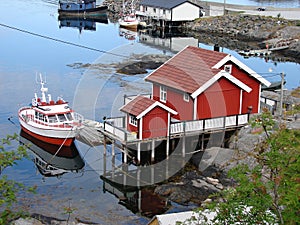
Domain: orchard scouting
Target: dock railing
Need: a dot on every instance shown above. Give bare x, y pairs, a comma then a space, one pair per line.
209, 124
116, 126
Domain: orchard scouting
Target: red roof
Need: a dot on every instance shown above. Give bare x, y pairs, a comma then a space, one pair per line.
188, 70
141, 105
138, 105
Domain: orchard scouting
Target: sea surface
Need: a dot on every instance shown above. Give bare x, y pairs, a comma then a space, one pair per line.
34, 41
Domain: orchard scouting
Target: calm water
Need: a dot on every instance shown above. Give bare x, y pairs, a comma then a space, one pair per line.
93, 93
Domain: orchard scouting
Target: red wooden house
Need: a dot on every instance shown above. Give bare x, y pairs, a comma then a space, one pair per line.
195, 84
148, 118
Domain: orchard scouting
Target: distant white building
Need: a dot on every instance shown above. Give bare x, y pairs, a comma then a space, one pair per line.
170, 10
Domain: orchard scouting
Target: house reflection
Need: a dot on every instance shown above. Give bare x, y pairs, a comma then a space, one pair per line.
82, 23
133, 186
173, 41
52, 160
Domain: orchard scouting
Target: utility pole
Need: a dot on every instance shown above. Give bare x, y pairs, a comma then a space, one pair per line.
281, 94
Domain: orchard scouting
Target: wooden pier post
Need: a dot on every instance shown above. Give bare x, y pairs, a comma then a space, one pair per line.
104, 166
113, 148
153, 151
168, 147
139, 153
104, 145
125, 153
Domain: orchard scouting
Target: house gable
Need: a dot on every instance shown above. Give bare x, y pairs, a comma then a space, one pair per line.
248, 70
216, 78
222, 98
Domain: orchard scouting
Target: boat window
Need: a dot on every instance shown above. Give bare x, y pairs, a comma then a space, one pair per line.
61, 117
52, 119
39, 116
69, 116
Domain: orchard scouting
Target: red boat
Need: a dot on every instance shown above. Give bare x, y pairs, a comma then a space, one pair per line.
51, 121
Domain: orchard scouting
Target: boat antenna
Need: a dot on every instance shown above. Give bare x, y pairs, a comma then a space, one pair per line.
43, 88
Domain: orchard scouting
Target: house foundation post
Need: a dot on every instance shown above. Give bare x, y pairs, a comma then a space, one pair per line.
139, 153
125, 154
153, 151
104, 145
168, 147
113, 148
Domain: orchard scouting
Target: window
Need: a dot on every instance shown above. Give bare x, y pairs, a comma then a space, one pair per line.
61, 117
227, 68
163, 94
164, 12
133, 120
186, 97
154, 10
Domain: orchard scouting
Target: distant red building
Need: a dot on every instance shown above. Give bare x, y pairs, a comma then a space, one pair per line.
195, 84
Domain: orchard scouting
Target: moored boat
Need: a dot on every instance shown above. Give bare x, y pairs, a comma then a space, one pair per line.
81, 8
129, 22
51, 121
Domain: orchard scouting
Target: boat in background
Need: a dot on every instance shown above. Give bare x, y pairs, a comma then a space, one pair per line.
128, 19
81, 8
129, 22
52, 160
51, 121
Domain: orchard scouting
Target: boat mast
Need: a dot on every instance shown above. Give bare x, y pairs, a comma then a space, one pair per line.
43, 89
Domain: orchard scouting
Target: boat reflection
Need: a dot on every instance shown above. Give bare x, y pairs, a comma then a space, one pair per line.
52, 160
128, 33
81, 23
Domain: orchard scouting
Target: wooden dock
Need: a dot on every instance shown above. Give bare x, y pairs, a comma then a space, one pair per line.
184, 135
90, 133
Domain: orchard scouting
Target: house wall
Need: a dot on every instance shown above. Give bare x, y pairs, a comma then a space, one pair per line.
155, 123
175, 101
220, 99
185, 12
157, 13
252, 98
130, 127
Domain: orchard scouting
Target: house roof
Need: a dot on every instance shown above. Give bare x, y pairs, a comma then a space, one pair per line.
165, 4
141, 105
194, 67
174, 218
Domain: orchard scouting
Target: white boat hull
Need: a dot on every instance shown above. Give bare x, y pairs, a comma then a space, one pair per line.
60, 135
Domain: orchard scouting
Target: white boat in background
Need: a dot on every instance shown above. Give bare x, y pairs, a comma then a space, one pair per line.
51, 121
129, 22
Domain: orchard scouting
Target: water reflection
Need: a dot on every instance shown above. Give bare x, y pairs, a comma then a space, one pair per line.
52, 160
128, 34
142, 201
172, 41
81, 23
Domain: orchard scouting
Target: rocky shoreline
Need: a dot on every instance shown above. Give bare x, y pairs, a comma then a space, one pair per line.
250, 31
236, 30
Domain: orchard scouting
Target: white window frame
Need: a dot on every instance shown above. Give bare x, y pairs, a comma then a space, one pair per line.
186, 97
133, 120
228, 68
163, 94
